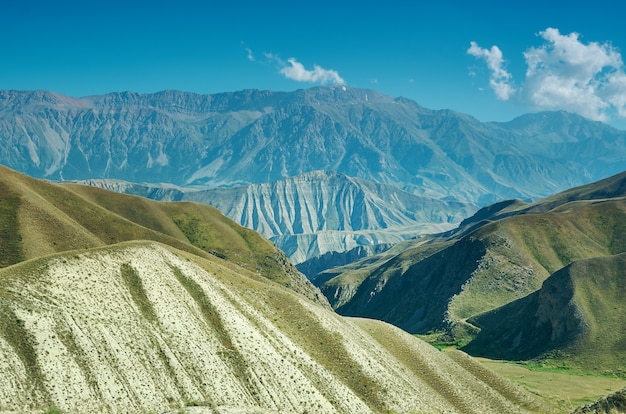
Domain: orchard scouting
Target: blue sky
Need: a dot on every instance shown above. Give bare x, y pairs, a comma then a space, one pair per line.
493, 60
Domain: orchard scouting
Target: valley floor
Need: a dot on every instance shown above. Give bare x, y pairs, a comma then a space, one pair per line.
561, 390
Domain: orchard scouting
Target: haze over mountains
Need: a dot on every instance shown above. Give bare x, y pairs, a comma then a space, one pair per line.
253, 138
318, 212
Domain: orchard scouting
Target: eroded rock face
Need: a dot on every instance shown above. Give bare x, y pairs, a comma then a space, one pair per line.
140, 327
317, 212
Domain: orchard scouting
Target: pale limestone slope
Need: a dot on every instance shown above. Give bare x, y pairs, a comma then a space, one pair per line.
140, 327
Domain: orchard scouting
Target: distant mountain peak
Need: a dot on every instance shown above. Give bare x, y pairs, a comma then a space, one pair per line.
255, 136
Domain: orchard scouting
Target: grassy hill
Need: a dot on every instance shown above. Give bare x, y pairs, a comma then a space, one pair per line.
576, 319
433, 287
40, 218
114, 303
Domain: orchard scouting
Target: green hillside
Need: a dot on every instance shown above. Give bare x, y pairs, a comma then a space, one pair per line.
41, 218
433, 287
575, 320
117, 304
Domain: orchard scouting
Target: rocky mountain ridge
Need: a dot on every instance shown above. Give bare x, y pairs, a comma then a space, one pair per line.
261, 140
254, 136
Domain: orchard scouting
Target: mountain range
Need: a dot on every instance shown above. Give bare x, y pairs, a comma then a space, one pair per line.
318, 212
519, 281
111, 302
261, 139
116, 303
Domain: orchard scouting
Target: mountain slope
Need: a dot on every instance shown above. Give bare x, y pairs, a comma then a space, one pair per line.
139, 327
106, 306
43, 218
260, 136
436, 284
318, 212
578, 313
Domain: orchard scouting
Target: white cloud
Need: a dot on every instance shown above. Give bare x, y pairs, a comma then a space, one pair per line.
563, 73
250, 54
616, 92
296, 71
566, 73
499, 78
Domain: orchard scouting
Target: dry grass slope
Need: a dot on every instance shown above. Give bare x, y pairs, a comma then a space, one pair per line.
40, 218
141, 327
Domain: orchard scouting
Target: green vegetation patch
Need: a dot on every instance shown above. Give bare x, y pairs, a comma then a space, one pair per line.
207, 229
69, 341
455, 336
13, 331
53, 410
230, 354
610, 219
133, 282
209, 312
562, 388
10, 239
600, 286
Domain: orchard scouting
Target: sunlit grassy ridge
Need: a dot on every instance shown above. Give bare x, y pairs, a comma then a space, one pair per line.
507, 253
141, 327
522, 251
42, 218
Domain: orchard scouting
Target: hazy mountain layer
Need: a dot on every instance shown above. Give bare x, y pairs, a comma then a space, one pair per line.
318, 212
504, 255
114, 303
248, 138
260, 136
